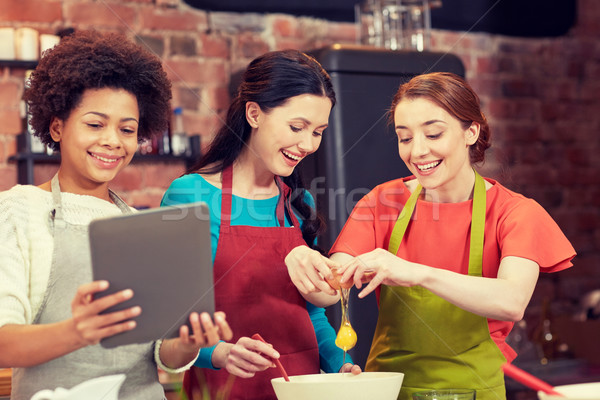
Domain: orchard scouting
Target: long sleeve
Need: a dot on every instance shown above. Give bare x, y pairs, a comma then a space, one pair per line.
331, 357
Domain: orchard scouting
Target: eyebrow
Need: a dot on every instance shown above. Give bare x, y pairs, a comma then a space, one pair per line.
307, 122
106, 116
426, 123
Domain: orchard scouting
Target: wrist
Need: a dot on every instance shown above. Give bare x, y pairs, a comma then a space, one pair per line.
68, 330
220, 354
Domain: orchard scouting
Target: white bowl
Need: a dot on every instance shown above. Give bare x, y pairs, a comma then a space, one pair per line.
366, 385
580, 391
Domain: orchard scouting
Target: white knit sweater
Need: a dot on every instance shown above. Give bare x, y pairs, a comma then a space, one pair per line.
26, 245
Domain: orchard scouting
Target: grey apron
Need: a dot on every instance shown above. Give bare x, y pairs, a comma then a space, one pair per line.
71, 267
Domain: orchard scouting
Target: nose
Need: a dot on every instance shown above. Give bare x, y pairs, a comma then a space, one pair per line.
309, 143
110, 137
419, 146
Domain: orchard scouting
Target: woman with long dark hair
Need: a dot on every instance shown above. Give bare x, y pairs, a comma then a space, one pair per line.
259, 212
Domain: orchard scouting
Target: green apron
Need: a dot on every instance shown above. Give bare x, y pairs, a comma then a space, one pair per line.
435, 343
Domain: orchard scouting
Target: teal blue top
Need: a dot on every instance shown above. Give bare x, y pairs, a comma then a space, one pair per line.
192, 188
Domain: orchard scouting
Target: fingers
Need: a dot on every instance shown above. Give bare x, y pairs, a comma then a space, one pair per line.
205, 332
307, 268
353, 369
91, 326
376, 281
249, 356
211, 331
224, 328
356, 370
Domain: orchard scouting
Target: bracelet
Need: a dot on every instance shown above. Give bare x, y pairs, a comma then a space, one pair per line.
162, 366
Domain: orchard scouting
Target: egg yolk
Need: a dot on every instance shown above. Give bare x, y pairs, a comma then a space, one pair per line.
346, 337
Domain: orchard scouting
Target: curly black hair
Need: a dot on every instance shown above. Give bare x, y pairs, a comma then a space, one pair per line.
93, 60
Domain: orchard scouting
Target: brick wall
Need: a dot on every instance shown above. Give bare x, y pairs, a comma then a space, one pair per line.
542, 97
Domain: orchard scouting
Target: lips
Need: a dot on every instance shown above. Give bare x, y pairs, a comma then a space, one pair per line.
292, 156
424, 167
106, 159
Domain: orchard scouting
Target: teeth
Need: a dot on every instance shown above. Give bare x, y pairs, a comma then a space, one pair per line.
105, 159
425, 167
293, 157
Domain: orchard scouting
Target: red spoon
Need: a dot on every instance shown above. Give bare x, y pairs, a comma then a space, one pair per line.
256, 336
528, 380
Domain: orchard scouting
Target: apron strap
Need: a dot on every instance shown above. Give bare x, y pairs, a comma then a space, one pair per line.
284, 204
119, 202
403, 220
226, 194
477, 225
56, 213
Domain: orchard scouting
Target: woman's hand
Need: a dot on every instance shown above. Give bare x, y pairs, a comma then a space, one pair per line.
244, 358
89, 326
352, 368
307, 267
182, 350
380, 267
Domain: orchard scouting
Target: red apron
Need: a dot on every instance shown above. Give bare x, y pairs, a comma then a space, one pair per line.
253, 288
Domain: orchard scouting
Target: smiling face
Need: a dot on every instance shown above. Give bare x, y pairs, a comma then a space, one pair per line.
97, 141
435, 147
282, 137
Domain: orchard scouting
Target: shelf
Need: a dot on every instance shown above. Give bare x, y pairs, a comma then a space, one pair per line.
18, 64
26, 160
36, 157
55, 159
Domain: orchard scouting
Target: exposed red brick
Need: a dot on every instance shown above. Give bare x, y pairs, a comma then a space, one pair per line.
129, 178
343, 32
215, 98
8, 176
291, 43
43, 173
285, 26
192, 72
172, 19
9, 95
186, 97
204, 125
250, 46
11, 121
518, 88
214, 46
160, 175
102, 14
8, 147
48, 11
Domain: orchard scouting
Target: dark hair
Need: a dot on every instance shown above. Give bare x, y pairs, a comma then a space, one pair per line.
270, 80
453, 94
92, 60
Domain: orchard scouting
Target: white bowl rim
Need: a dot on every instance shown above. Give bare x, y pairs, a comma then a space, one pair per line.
373, 375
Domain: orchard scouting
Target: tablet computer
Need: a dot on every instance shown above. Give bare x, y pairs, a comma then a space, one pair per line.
164, 256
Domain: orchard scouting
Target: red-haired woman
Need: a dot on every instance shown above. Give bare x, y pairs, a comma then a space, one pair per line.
454, 257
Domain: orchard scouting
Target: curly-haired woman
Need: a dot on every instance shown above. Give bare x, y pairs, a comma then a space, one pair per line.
92, 98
